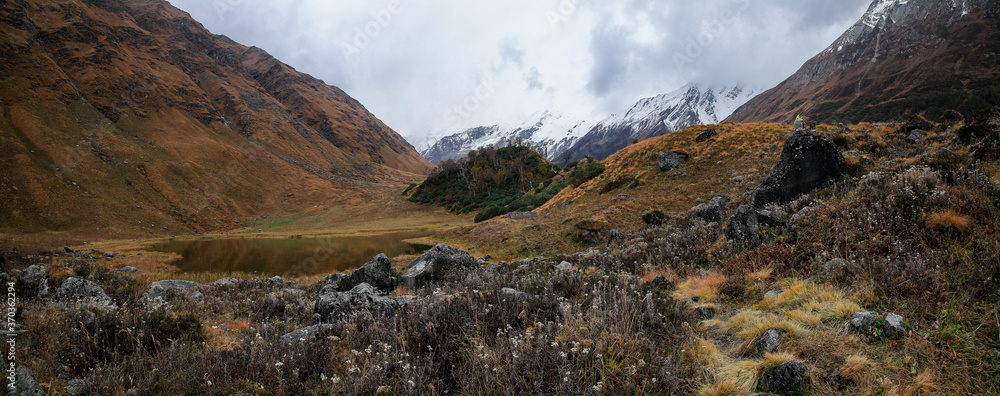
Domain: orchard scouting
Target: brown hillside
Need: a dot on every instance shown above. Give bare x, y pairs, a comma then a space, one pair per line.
126, 117
918, 57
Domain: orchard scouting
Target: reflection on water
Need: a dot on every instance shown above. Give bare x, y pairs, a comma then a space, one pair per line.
288, 257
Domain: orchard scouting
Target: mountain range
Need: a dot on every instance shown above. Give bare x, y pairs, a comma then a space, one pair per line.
902, 57
556, 134
118, 117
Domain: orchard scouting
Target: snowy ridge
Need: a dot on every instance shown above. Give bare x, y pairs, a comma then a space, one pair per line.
553, 132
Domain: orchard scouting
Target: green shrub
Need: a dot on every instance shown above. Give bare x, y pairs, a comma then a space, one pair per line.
584, 173
654, 217
489, 213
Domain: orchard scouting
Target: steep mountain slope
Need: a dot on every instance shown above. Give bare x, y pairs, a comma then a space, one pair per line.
660, 115
128, 116
903, 56
553, 132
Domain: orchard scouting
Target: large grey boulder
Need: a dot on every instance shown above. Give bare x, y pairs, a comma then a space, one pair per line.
434, 265
715, 211
309, 334
917, 123
159, 291
671, 160
82, 291
332, 307
768, 342
893, 327
25, 384
376, 272
807, 162
788, 378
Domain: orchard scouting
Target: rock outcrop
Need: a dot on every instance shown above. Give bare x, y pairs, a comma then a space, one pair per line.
376, 272
332, 307
807, 162
435, 264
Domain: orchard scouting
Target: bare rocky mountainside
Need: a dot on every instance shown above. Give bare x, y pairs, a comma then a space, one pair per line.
917, 56
126, 116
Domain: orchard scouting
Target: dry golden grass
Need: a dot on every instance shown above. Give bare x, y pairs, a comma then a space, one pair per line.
706, 288
760, 275
948, 219
667, 273
924, 385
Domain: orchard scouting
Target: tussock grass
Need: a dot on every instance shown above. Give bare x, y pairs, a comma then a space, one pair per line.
705, 288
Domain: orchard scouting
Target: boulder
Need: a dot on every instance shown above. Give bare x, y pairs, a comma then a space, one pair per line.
434, 265
742, 227
276, 280
715, 211
127, 269
831, 266
75, 387
514, 293
617, 236
800, 125
671, 160
705, 136
788, 378
225, 283
807, 162
309, 334
82, 291
770, 219
25, 384
863, 322
564, 266
332, 307
35, 278
376, 272
916, 136
893, 327
661, 282
768, 342
917, 123
159, 291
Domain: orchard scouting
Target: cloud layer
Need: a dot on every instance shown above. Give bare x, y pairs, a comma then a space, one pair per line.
434, 66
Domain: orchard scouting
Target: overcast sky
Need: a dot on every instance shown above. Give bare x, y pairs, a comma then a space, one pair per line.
433, 66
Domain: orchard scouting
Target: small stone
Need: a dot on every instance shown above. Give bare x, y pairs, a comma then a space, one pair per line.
75, 387
309, 334
514, 293
894, 327
831, 266
769, 341
564, 266
772, 293
225, 282
276, 280
863, 322
127, 269
661, 282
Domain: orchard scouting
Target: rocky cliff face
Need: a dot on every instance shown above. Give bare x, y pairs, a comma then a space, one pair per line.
903, 56
129, 115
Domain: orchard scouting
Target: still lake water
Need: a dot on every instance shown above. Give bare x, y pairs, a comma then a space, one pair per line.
288, 257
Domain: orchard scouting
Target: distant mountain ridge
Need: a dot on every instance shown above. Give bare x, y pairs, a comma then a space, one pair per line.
556, 133
901, 57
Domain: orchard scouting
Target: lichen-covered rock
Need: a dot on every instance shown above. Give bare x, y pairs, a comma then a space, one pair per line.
332, 307
434, 265
863, 322
82, 291
376, 272
715, 211
309, 334
671, 160
25, 384
159, 291
768, 342
742, 227
788, 378
807, 162
35, 280
893, 327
